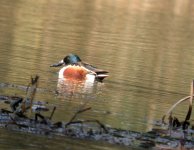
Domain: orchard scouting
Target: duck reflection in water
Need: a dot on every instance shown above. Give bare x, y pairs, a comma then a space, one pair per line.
77, 76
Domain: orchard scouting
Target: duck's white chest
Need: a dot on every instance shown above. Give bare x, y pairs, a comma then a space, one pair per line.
77, 73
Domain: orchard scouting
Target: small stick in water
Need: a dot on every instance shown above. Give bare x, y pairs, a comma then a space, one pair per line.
52, 113
75, 115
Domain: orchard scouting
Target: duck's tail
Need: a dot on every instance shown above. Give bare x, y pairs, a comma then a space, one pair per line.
100, 77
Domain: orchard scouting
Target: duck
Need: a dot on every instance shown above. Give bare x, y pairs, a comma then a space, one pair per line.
75, 69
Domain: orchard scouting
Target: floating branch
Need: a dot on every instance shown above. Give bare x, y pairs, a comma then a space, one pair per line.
190, 98
173, 106
99, 123
85, 121
51, 116
190, 102
30, 94
75, 115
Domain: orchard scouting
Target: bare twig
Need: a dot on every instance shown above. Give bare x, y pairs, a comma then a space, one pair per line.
190, 98
173, 106
31, 91
99, 123
75, 115
92, 120
52, 113
190, 103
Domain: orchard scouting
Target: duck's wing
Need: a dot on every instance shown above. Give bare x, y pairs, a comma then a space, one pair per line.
100, 74
94, 69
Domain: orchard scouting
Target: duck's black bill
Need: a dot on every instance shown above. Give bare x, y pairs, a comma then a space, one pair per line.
57, 64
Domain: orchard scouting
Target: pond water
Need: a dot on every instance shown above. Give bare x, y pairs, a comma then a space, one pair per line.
147, 47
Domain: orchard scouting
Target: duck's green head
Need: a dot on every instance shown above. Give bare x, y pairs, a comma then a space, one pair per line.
69, 59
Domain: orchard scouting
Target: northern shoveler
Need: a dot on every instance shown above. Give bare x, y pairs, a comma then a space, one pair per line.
74, 68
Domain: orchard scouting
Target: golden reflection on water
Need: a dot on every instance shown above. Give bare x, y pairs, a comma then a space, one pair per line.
147, 46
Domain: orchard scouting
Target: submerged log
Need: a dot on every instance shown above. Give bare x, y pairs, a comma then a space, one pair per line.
93, 129
87, 130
